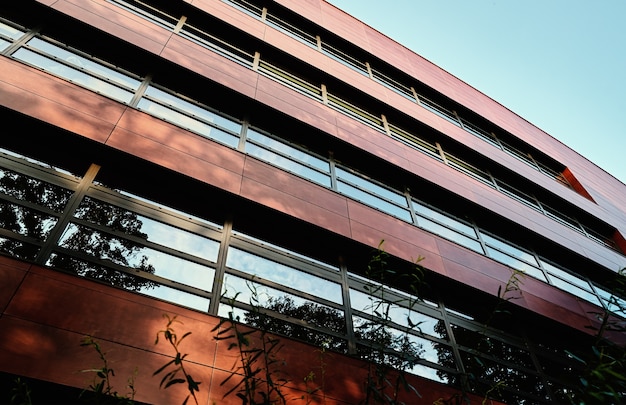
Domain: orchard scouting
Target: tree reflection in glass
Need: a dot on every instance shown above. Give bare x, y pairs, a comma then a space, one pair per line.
105, 246
27, 221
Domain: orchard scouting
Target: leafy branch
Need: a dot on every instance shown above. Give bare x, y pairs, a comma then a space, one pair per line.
173, 376
101, 386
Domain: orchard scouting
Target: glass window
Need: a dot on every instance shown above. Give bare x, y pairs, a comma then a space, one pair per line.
148, 13
193, 110
279, 273
469, 170
146, 228
450, 234
439, 110
74, 75
130, 254
26, 221
374, 201
288, 164
18, 249
426, 147
10, 32
261, 296
247, 7
393, 85
553, 270
84, 64
216, 45
426, 212
29, 189
287, 150
187, 122
290, 80
356, 112
516, 264
518, 195
509, 249
291, 30
344, 59
361, 182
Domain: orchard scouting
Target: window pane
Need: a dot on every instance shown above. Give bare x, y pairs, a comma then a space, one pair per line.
193, 109
516, 264
444, 219
510, 249
287, 150
289, 165
146, 228
10, 32
131, 254
18, 249
361, 182
74, 75
564, 275
258, 295
374, 201
282, 274
450, 234
85, 64
187, 122
32, 190
26, 221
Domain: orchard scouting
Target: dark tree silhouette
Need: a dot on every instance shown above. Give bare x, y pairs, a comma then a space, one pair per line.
105, 246
309, 312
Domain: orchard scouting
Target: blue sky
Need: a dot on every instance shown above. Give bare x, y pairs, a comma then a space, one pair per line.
560, 64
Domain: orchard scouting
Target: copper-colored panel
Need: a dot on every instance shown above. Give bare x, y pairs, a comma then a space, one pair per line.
52, 354
400, 239
116, 21
473, 278
12, 273
60, 103
104, 311
176, 160
564, 315
472, 261
209, 64
295, 186
294, 206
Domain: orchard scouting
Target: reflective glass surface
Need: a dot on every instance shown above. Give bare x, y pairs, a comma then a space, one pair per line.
279, 273
146, 228
73, 75
33, 190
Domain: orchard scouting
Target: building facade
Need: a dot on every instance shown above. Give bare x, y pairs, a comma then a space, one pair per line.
285, 164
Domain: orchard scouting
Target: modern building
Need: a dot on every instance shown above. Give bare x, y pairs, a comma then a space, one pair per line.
197, 158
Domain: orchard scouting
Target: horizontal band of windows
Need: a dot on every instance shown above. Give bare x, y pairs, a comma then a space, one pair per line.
350, 110
217, 45
348, 60
149, 13
290, 80
428, 328
401, 213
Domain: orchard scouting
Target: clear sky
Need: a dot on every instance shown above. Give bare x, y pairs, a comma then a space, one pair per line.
560, 64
